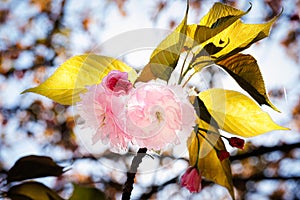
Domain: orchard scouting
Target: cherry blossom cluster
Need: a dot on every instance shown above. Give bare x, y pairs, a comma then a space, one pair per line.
152, 115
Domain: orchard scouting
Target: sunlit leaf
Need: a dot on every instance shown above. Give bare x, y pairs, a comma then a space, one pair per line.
237, 113
33, 167
221, 34
72, 77
208, 162
244, 69
219, 17
32, 191
86, 193
203, 113
165, 57
237, 37
219, 14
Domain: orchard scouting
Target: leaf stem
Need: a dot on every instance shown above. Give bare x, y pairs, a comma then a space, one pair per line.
181, 72
131, 173
196, 71
189, 79
201, 62
209, 142
213, 132
208, 131
186, 71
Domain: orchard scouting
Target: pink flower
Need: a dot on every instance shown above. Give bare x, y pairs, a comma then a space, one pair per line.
236, 142
223, 154
152, 115
191, 179
101, 107
117, 82
158, 115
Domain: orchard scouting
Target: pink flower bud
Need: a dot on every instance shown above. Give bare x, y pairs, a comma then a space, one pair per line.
191, 179
223, 154
117, 82
237, 142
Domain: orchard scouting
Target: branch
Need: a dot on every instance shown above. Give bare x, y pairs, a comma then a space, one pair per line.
262, 150
260, 177
131, 174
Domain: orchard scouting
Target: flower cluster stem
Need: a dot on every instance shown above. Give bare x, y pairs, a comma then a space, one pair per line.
131, 173
198, 141
209, 142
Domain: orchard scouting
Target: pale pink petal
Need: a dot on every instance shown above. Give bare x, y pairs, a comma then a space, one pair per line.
156, 115
102, 107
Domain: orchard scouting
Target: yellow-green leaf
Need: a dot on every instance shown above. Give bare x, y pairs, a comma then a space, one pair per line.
238, 114
32, 191
164, 58
203, 113
86, 193
221, 34
72, 77
237, 37
219, 17
244, 69
208, 162
218, 14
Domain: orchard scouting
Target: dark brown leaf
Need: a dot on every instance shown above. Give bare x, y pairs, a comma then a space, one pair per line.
33, 167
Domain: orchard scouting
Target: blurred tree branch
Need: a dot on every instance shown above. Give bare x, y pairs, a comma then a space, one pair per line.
263, 150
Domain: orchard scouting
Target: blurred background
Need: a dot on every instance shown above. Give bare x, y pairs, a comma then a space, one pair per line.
36, 36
